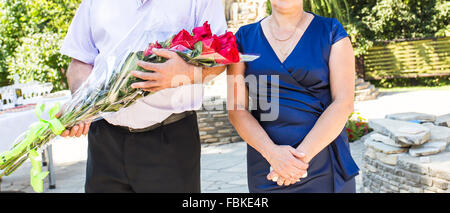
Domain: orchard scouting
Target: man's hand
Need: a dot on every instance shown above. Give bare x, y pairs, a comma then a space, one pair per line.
164, 73
77, 130
287, 163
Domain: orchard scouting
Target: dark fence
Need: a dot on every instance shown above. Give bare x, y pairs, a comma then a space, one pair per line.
3, 79
406, 59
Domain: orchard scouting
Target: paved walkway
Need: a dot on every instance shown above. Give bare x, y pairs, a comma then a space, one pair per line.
224, 166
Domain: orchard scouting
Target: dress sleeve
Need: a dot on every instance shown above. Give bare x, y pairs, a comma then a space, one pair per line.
338, 32
239, 40
79, 43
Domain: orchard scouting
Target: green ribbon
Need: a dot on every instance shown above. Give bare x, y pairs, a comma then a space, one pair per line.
36, 132
36, 174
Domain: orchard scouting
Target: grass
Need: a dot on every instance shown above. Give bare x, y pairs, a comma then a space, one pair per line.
414, 88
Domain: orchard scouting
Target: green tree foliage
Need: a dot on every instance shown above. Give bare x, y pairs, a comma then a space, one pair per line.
383, 20
31, 33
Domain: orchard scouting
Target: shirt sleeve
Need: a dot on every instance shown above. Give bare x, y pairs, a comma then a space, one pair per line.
213, 12
338, 31
79, 43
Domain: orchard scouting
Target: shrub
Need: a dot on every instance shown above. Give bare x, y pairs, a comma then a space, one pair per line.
37, 58
30, 34
356, 127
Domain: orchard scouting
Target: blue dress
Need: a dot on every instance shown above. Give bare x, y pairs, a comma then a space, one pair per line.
304, 94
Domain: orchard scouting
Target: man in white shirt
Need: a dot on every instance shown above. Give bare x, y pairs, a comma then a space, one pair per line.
153, 145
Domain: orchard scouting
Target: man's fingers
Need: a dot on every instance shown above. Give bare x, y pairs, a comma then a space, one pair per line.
58, 115
74, 131
153, 89
145, 85
65, 133
164, 53
80, 130
149, 76
149, 66
86, 128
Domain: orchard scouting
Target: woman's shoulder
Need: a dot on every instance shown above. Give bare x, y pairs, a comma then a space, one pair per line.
247, 29
329, 23
331, 27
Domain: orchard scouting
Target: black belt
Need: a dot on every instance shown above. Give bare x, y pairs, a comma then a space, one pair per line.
171, 119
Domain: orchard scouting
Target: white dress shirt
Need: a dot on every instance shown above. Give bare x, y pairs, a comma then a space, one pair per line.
99, 25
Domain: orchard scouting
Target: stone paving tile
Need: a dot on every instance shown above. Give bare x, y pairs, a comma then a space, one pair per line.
223, 170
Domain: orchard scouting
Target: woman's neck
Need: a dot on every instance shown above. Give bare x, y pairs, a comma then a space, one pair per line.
287, 21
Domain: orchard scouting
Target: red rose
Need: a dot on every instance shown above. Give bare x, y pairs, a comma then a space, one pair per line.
228, 39
148, 51
228, 48
349, 130
210, 45
183, 38
230, 53
350, 136
203, 32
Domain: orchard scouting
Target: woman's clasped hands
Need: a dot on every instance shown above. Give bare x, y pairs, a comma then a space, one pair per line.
288, 164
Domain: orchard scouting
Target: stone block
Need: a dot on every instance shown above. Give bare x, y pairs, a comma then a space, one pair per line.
211, 140
438, 133
224, 131
412, 177
412, 116
440, 173
441, 184
236, 139
401, 131
416, 190
370, 153
387, 140
381, 147
225, 139
429, 148
443, 120
203, 137
426, 180
390, 159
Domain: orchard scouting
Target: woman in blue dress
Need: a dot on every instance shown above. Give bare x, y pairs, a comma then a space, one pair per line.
305, 77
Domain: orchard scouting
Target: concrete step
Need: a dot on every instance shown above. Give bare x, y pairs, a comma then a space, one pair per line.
365, 97
361, 86
359, 81
366, 91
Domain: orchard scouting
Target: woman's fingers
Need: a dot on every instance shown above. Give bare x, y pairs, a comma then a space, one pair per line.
299, 159
287, 182
280, 181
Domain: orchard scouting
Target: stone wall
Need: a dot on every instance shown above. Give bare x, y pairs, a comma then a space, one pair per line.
407, 152
213, 123
402, 173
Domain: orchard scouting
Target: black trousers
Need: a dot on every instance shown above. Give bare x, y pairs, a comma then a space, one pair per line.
163, 160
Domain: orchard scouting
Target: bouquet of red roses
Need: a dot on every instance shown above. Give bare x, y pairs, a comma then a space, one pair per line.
200, 47
108, 89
